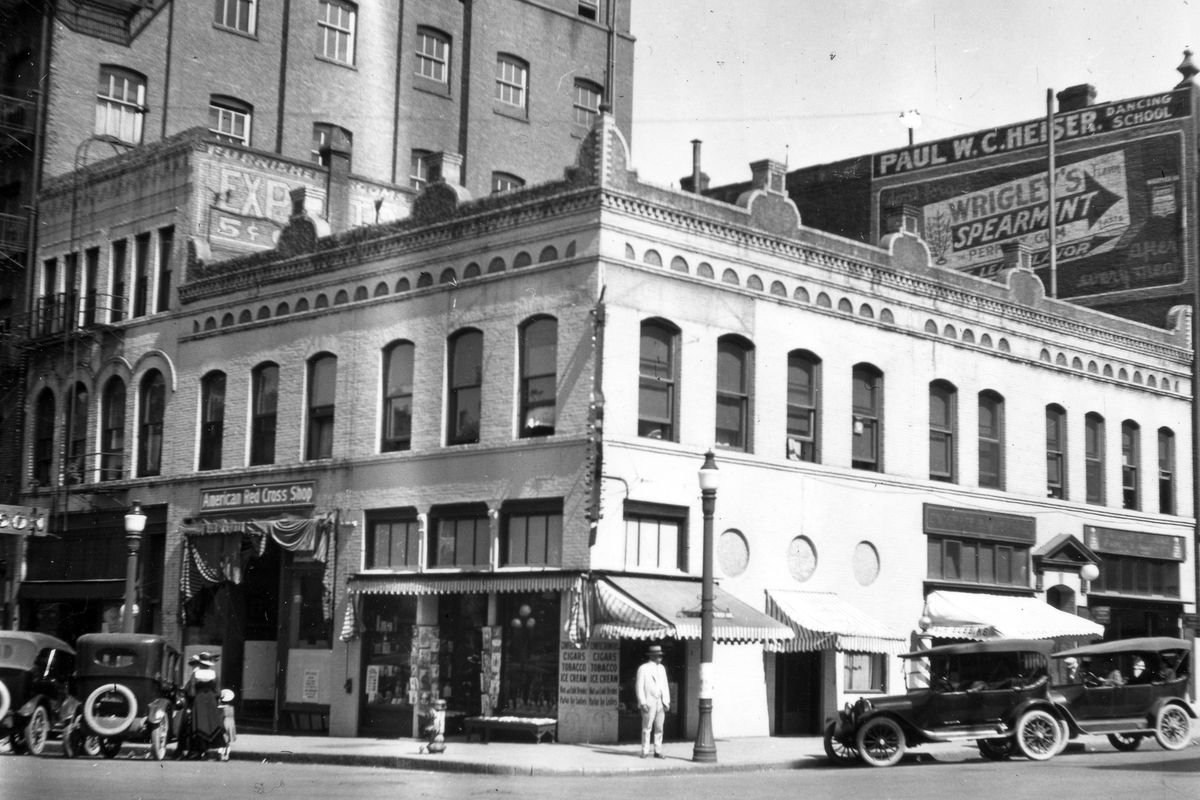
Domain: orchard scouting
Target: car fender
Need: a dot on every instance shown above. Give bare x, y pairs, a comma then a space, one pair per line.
159, 711
912, 735
25, 711
1152, 714
1039, 703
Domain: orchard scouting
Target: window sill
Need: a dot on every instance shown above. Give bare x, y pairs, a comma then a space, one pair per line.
335, 62
512, 112
236, 31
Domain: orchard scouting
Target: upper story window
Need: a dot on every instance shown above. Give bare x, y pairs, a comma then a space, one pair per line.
112, 430
43, 438
1131, 458
119, 256
460, 536
867, 422
655, 537
539, 376
212, 419
323, 136
336, 20
393, 541
1137, 575
506, 182
418, 172
229, 118
587, 102
166, 250
1056, 451
589, 9
397, 396
734, 383
943, 414
121, 104
322, 394
531, 534
241, 15
264, 401
1166, 471
433, 56
76, 431
512, 82
991, 440
803, 381
141, 275
152, 402
1093, 457
466, 387
658, 381
968, 560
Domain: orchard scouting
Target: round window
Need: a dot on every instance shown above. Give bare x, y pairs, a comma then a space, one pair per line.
733, 553
801, 558
866, 563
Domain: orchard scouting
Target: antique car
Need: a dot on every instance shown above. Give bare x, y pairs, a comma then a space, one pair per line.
1128, 689
996, 692
36, 680
129, 685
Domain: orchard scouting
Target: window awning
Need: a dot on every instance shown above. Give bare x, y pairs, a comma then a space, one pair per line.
824, 621
967, 615
629, 607
460, 583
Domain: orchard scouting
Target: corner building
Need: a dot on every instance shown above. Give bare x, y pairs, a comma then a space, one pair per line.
455, 457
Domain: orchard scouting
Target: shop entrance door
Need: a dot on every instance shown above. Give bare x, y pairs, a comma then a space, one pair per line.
798, 694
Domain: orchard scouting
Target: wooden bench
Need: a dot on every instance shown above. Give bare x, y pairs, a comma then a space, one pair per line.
537, 727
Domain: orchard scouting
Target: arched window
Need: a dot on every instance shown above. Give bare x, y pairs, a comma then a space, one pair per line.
867, 428
112, 430
466, 387
991, 440
1166, 471
587, 102
943, 424
151, 408
658, 379
43, 438
803, 385
229, 119
212, 420
1131, 463
120, 104
735, 367
322, 398
539, 377
264, 402
1093, 457
397, 397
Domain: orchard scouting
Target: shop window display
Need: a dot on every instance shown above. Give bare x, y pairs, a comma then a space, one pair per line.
529, 671
388, 641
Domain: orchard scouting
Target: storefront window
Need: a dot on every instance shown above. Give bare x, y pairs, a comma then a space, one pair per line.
529, 672
389, 624
971, 561
1140, 576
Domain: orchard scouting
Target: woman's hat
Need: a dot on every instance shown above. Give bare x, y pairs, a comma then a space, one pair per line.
226, 695
654, 650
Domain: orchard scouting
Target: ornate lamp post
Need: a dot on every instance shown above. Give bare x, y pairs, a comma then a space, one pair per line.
135, 524
706, 746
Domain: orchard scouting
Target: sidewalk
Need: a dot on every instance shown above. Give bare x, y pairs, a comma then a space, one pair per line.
524, 758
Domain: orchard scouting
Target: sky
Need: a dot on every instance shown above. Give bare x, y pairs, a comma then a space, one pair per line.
813, 81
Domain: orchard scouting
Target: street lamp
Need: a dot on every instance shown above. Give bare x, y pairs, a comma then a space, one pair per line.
706, 746
135, 523
911, 119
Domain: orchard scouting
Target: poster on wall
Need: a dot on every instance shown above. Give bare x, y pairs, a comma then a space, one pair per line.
588, 689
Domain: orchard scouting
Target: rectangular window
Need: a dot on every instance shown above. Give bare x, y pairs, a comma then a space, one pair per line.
1056, 446
587, 102
70, 295
865, 672
120, 104
461, 540
991, 441
1166, 471
120, 264
141, 273
91, 274
867, 402
512, 82
397, 398
1131, 457
336, 21
112, 434
433, 56
229, 124
655, 537
393, 542
212, 420
802, 408
322, 389
77, 423
658, 370
418, 177
466, 387
531, 538
1093, 458
166, 247
977, 561
1137, 576
942, 423
265, 399
589, 9
733, 394
241, 15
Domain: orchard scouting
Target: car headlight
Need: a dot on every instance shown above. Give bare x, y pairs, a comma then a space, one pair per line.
862, 706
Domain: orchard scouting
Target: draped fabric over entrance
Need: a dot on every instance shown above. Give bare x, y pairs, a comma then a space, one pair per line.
216, 550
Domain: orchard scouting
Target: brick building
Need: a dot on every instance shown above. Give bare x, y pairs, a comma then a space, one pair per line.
454, 456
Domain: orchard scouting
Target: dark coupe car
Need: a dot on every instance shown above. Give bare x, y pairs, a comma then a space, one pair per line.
1129, 690
996, 692
36, 678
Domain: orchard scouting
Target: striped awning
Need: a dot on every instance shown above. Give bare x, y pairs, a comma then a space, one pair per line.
824, 621
635, 607
460, 583
970, 615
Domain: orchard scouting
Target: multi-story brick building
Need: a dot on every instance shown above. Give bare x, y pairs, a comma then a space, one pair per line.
454, 456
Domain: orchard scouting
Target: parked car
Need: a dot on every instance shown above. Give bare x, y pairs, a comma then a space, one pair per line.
130, 688
36, 681
996, 692
1129, 690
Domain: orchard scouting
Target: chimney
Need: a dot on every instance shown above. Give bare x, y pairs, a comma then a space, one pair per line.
697, 182
904, 218
336, 153
1076, 97
770, 176
446, 167
1015, 255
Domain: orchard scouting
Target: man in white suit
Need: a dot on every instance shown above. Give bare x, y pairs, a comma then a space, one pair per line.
654, 700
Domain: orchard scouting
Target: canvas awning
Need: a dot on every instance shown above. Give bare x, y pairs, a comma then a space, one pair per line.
635, 607
824, 621
459, 583
969, 615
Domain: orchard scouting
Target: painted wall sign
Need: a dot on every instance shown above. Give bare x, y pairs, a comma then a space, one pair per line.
265, 495
1135, 543
22, 520
951, 521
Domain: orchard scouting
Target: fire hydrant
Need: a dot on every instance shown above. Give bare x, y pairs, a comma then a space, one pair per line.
435, 731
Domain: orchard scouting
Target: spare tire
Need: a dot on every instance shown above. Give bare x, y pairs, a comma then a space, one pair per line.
110, 726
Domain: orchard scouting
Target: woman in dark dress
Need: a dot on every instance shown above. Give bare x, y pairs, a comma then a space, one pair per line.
207, 723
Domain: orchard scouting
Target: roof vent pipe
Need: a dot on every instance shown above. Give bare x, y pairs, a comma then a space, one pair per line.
696, 166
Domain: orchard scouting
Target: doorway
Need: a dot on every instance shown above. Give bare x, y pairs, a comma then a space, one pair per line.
798, 694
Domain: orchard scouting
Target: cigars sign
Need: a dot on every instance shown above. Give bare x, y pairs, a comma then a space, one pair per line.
257, 495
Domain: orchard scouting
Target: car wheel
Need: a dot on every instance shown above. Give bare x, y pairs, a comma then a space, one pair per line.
37, 730
91, 745
841, 754
158, 741
110, 726
996, 749
1064, 736
1173, 728
880, 742
1038, 735
1125, 742
109, 747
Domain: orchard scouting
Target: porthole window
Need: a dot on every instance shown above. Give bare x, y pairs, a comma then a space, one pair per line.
865, 563
733, 553
801, 558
